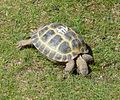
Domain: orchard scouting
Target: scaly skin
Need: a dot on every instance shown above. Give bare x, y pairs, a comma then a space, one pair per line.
69, 68
24, 43
82, 66
88, 58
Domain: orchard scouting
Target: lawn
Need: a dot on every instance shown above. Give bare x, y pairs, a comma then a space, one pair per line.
28, 75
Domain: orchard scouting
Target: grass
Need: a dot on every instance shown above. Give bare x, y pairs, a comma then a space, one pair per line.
27, 75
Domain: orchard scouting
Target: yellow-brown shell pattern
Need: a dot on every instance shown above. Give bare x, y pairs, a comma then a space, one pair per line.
58, 42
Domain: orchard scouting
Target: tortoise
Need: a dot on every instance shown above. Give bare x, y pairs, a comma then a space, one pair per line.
61, 43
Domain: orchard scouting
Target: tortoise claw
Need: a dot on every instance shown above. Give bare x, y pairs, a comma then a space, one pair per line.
23, 43
66, 75
19, 45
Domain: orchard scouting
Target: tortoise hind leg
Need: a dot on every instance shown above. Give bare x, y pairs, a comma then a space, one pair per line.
24, 43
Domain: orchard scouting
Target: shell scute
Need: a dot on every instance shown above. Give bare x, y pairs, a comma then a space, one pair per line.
58, 57
41, 48
55, 41
35, 40
51, 55
47, 35
42, 30
64, 48
58, 42
55, 25
46, 51
75, 43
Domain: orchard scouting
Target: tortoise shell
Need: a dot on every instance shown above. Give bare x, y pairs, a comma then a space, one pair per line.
58, 42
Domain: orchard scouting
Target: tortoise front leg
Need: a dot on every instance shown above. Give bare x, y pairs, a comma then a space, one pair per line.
69, 68
24, 43
82, 66
88, 58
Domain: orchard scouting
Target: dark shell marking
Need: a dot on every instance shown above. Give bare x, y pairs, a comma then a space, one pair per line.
58, 57
64, 48
75, 43
69, 35
38, 45
55, 41
64, 58
46, 51
47, 35
35, 40
51, 55
41, 48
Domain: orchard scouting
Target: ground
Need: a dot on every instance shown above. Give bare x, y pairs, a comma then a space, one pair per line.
27, 75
